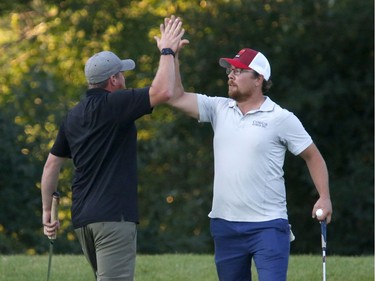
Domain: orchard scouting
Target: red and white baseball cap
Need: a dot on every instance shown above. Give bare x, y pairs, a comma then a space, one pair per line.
249, 59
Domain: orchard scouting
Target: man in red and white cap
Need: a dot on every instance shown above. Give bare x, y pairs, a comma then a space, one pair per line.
252, 133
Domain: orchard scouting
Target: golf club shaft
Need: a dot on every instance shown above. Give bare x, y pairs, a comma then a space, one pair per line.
323, 227
50, 258
54, 217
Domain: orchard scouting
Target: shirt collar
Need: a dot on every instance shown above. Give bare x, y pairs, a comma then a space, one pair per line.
96, 91
267, 105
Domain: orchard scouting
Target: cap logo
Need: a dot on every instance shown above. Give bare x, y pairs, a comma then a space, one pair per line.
240, 53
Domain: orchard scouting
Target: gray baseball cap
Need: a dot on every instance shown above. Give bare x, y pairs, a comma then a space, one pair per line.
103, 65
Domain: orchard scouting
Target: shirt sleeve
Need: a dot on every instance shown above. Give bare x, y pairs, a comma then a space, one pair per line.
293, 134
209, 106
130, 104
61, 147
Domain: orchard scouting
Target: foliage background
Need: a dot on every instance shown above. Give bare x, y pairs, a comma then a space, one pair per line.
322, 58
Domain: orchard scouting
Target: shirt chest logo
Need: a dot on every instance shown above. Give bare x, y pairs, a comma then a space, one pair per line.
260, 124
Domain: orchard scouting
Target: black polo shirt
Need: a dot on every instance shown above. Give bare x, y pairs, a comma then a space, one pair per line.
100, 135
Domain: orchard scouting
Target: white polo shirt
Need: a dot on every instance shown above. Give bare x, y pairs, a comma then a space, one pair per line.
249, 152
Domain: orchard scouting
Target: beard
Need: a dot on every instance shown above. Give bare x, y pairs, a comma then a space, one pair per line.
234, 93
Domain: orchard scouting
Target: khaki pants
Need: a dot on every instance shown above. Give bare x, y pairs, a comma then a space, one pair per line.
110, 248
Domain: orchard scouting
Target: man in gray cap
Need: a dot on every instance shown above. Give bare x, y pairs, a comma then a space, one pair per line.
103, 65
99, 134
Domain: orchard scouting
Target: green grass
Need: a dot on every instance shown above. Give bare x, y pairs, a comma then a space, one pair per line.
180, 268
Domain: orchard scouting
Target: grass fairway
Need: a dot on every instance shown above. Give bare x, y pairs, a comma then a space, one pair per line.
180, 268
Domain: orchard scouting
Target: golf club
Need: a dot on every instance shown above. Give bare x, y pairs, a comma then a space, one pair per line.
323, 227
323, 231
54, 217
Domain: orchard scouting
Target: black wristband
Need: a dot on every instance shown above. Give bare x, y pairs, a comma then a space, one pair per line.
167, 51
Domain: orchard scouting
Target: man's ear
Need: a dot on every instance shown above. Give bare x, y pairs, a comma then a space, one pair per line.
260, 79
113, 80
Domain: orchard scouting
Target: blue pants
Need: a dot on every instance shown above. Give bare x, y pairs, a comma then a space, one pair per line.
237, 243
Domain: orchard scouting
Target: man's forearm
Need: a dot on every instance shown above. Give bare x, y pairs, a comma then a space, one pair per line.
50, 179
164, 82
319, 174
178, 87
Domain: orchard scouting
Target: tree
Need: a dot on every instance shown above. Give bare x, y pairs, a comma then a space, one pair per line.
322, 74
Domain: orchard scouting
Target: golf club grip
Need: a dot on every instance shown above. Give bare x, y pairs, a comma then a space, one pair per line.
54, 210
323, 225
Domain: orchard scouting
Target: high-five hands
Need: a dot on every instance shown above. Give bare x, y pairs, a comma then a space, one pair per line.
171, 33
